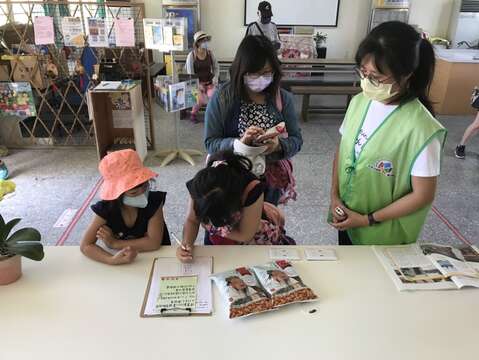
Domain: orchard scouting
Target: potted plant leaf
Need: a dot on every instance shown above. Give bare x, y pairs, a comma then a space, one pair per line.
23, 242
320, 38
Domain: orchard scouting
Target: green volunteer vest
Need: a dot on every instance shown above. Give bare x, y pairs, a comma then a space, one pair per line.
381, 174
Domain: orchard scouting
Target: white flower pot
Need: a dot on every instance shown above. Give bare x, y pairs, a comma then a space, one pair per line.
10, 269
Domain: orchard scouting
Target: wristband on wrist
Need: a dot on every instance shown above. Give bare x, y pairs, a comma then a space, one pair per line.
372, 220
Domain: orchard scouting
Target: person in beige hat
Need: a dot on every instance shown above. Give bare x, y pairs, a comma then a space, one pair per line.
129, 218
202, 62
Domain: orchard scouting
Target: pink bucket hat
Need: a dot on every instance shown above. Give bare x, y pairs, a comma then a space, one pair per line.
122, 171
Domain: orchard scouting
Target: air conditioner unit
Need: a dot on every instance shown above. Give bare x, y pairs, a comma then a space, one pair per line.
464, 25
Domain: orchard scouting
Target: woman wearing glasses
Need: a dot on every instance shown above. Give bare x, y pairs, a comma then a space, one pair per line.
388, 160
243, 110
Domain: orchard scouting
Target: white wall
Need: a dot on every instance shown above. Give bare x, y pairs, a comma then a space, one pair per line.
433, 16
223, 19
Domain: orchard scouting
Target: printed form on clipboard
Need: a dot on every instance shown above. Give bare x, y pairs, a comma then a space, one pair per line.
170, 269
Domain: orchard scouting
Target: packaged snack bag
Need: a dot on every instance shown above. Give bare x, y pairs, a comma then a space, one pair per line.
282, 283
242, 291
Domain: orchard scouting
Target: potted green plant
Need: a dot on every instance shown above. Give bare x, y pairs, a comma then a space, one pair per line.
23, 242
320, 38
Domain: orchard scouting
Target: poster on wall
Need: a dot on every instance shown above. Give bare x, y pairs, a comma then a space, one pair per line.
296, 47
97, 33
43, 29
165, 34
125, 32
72, 30
191, 21
17, 99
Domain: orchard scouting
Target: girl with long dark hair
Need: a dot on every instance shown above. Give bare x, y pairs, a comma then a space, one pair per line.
250, 104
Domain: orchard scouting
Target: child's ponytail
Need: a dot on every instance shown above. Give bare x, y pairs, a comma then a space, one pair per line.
217, 189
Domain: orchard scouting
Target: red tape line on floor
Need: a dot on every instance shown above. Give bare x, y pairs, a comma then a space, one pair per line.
79, 213
450, 226
95, 189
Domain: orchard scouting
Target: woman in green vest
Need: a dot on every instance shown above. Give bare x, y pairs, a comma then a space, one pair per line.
387, 163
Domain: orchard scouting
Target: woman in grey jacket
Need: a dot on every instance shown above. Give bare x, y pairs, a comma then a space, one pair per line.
251, 103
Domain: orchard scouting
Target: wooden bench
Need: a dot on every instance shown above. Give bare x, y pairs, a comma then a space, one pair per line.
307, 90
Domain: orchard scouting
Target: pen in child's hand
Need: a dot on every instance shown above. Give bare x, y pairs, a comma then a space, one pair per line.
179, 242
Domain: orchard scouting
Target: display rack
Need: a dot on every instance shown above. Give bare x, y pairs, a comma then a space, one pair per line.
172, 154
113, 121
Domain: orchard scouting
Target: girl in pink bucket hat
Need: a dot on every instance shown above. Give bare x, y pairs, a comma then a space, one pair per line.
129, 218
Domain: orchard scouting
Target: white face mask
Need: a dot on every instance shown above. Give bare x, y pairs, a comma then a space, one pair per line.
258, 84
139, 201
204, 45
379, 93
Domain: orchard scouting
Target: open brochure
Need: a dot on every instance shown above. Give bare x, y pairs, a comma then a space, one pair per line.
430, 266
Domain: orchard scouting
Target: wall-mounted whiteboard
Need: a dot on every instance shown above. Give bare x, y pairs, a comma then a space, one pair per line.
297, 12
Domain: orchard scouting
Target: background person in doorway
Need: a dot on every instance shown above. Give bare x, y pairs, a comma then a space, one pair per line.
250, 104
129, 218
388, 160
202, 62
265, 26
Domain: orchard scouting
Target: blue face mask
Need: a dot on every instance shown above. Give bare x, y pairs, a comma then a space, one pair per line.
139, 201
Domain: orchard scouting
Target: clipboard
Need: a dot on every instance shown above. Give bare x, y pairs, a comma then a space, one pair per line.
170, 266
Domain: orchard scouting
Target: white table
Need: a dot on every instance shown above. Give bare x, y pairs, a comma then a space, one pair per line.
69, 307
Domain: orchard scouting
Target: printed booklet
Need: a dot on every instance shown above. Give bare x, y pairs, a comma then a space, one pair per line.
430, 266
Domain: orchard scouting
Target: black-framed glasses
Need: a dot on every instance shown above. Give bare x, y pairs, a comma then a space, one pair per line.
374, 81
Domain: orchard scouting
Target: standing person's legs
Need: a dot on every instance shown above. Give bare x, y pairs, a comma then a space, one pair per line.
202, 100
471, 130
210, 90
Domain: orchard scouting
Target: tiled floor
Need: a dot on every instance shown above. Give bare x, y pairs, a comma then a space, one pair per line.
50, 181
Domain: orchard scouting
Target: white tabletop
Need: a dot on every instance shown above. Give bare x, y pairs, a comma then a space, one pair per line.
69, 307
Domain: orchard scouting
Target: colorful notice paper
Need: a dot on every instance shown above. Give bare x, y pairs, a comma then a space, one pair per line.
43, 29
72, 30
177, 292
125, 32
97, 33
153, 33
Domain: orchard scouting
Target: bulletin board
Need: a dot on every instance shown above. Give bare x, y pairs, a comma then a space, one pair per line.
323, 13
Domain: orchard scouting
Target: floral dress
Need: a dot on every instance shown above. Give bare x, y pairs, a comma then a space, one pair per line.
278, 174
270, 232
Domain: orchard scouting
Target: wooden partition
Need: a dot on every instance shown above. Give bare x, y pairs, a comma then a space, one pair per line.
452, 87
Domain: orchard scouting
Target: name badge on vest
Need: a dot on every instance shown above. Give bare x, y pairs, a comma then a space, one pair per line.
384, 167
